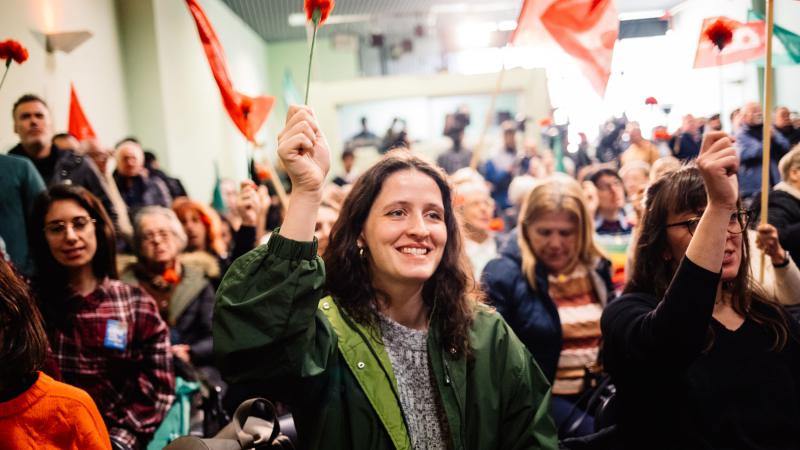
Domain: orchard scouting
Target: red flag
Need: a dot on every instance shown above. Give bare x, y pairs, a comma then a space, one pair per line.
79, 125
247, 113
748, 43
584, 29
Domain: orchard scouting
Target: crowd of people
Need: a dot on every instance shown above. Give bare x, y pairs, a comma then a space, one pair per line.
411, 304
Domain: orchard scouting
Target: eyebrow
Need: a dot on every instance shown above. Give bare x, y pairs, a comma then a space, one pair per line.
406, 204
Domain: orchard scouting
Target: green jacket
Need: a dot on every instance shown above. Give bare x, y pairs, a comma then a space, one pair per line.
271, 327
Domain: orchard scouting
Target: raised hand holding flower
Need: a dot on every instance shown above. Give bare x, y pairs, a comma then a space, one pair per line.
317, 11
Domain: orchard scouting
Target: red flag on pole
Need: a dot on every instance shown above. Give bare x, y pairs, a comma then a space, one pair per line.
747, 43
584, 29
79, 125
248, 113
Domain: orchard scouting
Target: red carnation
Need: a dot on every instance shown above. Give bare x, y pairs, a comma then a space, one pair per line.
720, 32
171, 276
324, 6
545, 122
11, 49
650, 101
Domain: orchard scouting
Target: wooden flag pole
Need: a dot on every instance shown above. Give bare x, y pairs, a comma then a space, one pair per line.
476, 154
767, 127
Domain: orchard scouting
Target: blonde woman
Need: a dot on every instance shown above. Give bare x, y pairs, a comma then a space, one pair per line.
551, 283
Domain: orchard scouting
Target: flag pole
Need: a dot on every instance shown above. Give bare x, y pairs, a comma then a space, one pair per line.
767, 127
476, 154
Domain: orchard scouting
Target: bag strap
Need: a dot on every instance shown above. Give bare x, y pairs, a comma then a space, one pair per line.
262, 427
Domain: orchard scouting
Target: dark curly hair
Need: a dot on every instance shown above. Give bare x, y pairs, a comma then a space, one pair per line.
449, 293
50, 281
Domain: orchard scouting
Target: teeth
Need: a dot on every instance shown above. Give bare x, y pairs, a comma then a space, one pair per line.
414, 250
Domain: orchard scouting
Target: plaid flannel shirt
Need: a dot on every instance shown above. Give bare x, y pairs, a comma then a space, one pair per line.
118, 351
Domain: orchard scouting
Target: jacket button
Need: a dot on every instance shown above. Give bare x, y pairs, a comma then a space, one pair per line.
63, 173
326, 305
361, 365
452, 350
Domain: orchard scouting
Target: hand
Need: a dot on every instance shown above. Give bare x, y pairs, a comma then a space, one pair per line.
718, 164
264, 200
247, 203
304, 151
592, 201
182, 352
767, 241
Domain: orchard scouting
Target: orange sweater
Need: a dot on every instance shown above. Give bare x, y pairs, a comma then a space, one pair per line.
52, 415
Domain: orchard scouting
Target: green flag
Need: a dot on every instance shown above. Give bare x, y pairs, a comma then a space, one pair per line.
789, 50
217, 202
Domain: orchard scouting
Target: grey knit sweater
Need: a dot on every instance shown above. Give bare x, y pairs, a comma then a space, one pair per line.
422, 408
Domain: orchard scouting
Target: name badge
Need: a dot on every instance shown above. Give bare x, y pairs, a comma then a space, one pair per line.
116, 334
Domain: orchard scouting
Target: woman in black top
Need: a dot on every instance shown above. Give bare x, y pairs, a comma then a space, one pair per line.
700, 358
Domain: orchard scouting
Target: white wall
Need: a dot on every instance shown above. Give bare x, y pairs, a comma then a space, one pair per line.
787, 78
95, 67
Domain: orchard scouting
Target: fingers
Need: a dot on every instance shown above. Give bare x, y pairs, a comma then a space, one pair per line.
298, 114
713, 137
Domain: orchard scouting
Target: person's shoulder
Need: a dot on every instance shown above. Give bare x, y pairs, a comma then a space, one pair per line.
65, 396
630, 303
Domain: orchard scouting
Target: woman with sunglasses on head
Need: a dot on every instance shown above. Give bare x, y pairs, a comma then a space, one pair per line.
701, 358
107, 337
389, 348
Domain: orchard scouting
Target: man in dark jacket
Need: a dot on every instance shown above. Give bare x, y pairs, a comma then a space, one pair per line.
153, 167
749, 145
784, 125
136, 186
33, 126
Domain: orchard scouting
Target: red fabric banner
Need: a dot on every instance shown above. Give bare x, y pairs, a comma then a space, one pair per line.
248, 113
584, 29
79, 125
748, 43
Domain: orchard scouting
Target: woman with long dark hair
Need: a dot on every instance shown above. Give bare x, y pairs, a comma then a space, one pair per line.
700, 357
107, 337
399, 353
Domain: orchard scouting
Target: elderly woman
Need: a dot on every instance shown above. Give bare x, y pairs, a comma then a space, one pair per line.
182, 291
784, 204
551, 283
107, 336
383, 345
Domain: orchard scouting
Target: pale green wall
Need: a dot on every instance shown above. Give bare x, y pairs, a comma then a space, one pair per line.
330, 64
95, 66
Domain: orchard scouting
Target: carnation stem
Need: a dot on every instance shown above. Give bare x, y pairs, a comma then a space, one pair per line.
3, 80
315, 19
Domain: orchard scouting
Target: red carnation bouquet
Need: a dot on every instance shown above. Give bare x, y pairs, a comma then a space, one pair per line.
317, 11
11, 50
650, 101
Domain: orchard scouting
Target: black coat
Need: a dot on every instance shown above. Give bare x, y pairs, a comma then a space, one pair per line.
532, 314
784, 214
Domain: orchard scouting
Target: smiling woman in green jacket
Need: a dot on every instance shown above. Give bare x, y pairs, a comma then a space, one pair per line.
399, 354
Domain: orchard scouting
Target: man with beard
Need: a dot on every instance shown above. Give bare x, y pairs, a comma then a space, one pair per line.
783, 123
749, 145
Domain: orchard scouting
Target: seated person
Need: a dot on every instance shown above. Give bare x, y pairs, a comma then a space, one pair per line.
35, 410
106, 336
613, 229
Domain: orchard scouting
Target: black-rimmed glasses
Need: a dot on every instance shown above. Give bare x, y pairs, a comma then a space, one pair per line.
739, 221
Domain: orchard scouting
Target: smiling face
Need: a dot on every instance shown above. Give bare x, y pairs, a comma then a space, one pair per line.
553, 239
405, 232
678, 239
70, 234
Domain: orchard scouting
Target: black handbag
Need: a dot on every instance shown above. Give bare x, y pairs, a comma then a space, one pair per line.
254, 426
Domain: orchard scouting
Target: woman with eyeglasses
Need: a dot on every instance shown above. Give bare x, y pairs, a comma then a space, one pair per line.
700, 356
107, 336
182, 289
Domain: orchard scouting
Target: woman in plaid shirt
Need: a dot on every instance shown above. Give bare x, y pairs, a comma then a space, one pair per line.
107, 337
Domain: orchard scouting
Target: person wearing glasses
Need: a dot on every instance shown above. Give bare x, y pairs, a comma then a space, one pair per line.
182, 290
107, 336
699, 355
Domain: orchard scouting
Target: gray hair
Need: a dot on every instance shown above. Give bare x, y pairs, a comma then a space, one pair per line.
789, 162
174, 226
